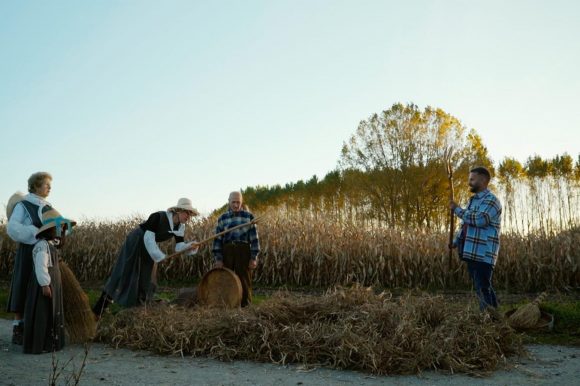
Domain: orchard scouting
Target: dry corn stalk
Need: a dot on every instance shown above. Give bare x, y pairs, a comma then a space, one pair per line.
528, 315
301, 249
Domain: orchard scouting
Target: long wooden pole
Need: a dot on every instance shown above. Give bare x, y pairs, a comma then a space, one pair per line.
205, 241
449, 168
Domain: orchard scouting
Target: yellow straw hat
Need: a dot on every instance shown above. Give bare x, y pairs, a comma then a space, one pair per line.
12, 201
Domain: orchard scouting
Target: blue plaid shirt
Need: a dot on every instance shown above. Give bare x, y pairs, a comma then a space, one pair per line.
482, 223
247, 234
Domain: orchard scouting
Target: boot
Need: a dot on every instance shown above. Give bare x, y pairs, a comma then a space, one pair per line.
18, 334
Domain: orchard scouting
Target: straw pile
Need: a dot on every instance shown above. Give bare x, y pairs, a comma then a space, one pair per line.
78, 317
345, 329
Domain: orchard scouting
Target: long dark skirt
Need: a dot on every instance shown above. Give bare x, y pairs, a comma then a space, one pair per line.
130, 280
237, 258
43, 316
20, 278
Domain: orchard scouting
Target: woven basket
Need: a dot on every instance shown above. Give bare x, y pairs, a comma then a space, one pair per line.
220, 287
546, 322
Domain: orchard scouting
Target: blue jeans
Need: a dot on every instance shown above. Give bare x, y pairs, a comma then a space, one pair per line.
481, 274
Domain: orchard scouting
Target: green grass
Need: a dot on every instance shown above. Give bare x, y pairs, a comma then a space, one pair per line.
566, 324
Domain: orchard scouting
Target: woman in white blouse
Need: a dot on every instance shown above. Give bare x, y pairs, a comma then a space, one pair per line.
130, 280
24, 220
44, 310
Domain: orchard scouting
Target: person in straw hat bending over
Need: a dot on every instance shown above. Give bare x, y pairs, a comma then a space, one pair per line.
24, 213
239, 249
130, 280
43, 312
478, 240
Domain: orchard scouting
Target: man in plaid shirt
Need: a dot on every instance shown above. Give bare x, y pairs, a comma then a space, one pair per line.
478, 240
237, 250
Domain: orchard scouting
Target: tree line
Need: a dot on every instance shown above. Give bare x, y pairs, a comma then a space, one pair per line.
391, 172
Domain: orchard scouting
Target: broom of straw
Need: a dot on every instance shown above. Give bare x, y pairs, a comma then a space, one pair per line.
78, 316
153, 284
528, 315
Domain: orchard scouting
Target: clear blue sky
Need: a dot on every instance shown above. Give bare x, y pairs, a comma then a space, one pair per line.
133, 104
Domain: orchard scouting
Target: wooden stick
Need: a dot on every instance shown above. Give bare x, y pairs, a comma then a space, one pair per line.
199, 243
153, 284
448, 155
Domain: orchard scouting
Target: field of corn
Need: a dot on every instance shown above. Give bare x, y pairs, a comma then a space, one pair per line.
303, 250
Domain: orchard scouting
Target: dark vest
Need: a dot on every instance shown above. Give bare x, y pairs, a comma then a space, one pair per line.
32, 210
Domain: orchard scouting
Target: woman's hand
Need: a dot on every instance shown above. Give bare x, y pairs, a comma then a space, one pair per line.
194, 248
46, 291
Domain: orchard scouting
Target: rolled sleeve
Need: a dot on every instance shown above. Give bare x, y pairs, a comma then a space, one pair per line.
41, 258
152, 247
20, 228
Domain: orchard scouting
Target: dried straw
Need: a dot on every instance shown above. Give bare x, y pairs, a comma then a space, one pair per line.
79, 319
345, 329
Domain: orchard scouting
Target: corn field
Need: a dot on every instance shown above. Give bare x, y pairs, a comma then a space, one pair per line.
299, 249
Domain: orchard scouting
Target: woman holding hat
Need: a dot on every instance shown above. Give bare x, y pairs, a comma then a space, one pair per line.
43, 312
130, 280
24, 214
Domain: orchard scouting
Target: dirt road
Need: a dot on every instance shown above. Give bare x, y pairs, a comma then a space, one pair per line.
107, 366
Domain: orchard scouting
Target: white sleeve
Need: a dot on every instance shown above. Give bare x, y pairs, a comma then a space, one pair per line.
41, 257
20, 228
152, 247
181, 246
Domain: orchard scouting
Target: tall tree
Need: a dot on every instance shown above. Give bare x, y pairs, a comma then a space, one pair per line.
401, 152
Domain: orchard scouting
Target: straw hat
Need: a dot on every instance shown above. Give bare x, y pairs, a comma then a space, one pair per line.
12, 201
184, 204
52, 218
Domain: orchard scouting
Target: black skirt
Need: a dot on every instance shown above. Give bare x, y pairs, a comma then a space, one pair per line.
20, 278
130, 280
43, 316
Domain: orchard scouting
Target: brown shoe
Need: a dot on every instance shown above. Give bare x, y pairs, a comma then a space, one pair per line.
18, 334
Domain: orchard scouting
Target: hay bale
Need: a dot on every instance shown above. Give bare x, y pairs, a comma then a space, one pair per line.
220, 287
345, 329
79, 319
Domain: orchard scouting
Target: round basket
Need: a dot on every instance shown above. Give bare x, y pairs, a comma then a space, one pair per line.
220, 287
546, 322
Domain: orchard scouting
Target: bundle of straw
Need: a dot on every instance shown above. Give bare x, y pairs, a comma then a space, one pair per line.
528, 315
79, 318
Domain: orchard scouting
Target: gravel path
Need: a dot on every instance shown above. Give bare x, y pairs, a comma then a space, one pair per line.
107, 366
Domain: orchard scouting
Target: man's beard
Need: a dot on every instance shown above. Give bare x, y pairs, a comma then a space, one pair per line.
473, 189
